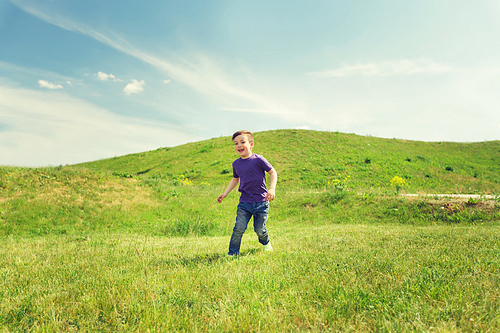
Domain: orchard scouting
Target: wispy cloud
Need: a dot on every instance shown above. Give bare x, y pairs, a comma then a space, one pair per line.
14, 70
134, 87
385, 68
202, 75
52, 128
49, 85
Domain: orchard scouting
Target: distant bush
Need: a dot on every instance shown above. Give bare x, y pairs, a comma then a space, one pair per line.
123, 174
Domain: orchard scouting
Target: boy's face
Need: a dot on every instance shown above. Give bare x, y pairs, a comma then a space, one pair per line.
243, 146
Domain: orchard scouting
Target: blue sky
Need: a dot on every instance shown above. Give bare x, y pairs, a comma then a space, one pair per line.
85, 80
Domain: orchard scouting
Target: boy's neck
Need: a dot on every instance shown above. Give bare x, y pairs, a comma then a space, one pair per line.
247, 157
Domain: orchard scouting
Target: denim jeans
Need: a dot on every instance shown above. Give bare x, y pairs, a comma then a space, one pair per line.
259, 211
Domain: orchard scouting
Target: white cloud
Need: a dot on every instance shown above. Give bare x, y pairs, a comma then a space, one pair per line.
51, 128
166, 81
49, 85
134, 87
104, 77
385, 68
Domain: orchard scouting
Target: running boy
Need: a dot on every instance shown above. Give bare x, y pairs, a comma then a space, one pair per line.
250, 171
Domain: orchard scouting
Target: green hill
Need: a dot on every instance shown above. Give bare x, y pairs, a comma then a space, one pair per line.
311, 159
323, 178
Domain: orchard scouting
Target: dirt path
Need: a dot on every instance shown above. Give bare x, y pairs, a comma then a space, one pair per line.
454, 196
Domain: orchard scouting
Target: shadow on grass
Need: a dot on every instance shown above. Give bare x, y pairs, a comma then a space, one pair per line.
205, 259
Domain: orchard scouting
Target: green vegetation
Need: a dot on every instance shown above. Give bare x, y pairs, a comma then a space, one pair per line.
310, 159
138, 243
320, 278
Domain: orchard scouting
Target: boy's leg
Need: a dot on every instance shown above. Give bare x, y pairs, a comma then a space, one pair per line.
260, 214
243, 215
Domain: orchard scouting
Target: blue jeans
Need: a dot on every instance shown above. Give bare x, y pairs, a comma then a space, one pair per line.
259, 211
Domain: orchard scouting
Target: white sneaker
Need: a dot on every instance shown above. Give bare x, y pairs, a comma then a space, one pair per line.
268, 247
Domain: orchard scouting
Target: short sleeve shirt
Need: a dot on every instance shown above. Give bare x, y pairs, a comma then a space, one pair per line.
252, 175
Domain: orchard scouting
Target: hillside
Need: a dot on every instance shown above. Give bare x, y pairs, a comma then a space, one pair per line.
323, 178
306, 159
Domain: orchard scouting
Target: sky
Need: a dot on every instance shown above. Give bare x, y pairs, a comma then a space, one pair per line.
87, 80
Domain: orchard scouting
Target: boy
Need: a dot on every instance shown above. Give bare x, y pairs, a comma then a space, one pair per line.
250, 171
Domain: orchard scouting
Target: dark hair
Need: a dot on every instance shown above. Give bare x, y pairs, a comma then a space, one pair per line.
247, 133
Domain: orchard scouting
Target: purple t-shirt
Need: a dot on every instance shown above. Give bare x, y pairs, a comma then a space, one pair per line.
252, 175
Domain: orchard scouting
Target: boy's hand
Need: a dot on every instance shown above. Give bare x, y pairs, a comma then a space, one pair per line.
232, 185
271, 193
220, 197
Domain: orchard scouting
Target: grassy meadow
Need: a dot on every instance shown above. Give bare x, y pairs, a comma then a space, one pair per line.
138, 243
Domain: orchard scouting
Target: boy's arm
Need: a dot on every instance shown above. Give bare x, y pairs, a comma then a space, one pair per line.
231, 186
271, 192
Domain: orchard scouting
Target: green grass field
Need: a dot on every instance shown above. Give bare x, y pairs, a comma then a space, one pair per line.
138, 243
322, 278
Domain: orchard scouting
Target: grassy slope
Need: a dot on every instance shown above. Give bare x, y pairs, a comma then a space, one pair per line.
308, 159
88, 197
